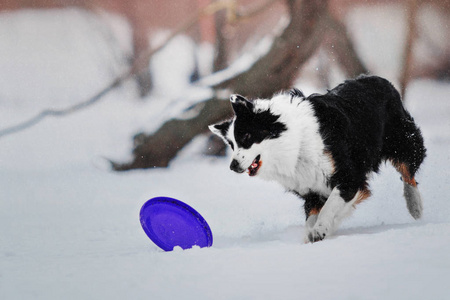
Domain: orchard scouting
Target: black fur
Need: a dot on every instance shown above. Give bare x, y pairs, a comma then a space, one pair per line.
254, 127
363, 123
313, 201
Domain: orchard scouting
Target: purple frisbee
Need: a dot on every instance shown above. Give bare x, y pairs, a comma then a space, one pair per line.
169, 223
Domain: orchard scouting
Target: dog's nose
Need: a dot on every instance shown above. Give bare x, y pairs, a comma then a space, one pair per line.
234, 166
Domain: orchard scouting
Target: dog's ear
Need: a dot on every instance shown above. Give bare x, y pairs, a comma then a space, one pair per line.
220, 129
240, 104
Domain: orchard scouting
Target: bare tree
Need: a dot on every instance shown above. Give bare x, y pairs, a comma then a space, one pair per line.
274, 71
412, 6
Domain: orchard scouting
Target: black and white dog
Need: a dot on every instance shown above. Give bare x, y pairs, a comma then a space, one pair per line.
324, 147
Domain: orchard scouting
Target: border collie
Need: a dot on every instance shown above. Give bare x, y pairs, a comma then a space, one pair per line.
323, 148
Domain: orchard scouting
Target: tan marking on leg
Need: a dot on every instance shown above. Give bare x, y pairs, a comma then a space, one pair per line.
403, 169
314, 211
362, 195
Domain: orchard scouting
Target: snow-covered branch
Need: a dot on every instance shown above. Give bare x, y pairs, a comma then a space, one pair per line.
274, 70
234, 14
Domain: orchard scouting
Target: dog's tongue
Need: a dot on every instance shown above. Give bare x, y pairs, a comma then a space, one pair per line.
253, 169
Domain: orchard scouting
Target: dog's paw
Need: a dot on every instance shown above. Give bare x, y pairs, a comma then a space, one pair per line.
316, 236
318, 233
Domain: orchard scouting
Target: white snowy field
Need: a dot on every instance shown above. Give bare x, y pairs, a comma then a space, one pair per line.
69, 229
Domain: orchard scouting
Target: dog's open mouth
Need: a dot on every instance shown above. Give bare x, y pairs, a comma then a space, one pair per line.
254, 167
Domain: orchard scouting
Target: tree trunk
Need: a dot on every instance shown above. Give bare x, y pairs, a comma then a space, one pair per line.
340, 45
271, 73
158, 149
220, 55
278, 68
413, 7
140, 46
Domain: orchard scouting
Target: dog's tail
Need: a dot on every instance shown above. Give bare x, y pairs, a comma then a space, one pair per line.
407, 164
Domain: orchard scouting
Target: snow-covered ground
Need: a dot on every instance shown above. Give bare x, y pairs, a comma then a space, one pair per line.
69, 229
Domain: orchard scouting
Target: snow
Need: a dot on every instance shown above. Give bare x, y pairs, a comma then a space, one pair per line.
69, 228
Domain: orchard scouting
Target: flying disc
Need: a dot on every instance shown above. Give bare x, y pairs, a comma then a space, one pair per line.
169, 223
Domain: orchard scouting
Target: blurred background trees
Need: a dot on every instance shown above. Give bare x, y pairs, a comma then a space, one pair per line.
287, 43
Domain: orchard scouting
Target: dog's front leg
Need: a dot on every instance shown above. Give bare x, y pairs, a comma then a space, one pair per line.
329, 215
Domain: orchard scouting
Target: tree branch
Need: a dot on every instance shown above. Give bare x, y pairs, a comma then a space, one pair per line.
137, 67
60, 112
271, 73
157, 150
288, 53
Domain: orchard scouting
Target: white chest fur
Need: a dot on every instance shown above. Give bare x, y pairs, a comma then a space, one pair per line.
301, 163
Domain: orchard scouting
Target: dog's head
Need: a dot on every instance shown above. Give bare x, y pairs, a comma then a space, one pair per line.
253, 134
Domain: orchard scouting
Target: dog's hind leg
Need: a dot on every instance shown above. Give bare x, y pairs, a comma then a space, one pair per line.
413, 200
410, 190
405, 149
